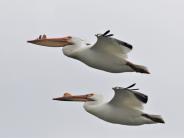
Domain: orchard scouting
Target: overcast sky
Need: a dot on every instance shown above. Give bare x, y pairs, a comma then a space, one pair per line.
30, 76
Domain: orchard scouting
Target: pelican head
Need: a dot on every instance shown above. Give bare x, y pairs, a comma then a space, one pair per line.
57, 42
91, 101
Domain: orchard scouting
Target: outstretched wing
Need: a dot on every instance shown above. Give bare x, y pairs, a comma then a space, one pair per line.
126, 97
108, 44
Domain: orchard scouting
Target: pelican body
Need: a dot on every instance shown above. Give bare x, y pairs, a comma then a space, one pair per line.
125, 108
107, 54
98, 60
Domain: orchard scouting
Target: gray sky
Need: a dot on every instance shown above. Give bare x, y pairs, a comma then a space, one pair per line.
31, 75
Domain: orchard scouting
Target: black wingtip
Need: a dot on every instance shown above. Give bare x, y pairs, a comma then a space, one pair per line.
125, 44
141, 97
109, 35
131, 86
134, 89
104, 34
155, 118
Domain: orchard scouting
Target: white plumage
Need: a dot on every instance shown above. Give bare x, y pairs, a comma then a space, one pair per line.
108, 54
125, 107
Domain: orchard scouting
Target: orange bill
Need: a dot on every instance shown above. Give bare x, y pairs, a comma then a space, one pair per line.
69, 97
51, 42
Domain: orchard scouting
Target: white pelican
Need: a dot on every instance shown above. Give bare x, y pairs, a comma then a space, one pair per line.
124, 108
108, 54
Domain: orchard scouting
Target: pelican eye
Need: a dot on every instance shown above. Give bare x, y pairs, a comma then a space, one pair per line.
69, 37
90, 95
